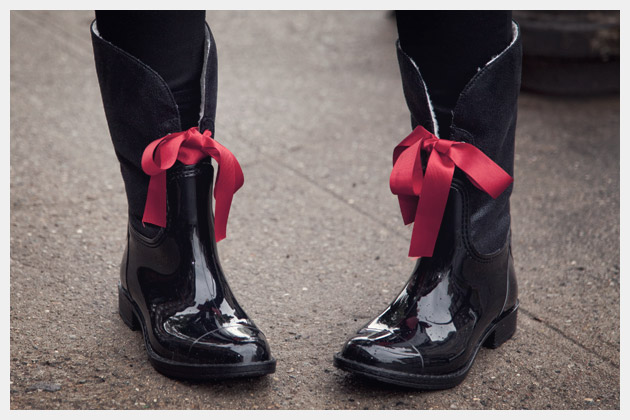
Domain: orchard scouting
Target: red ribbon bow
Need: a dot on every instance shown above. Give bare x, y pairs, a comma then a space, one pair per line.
189, 147
422, 198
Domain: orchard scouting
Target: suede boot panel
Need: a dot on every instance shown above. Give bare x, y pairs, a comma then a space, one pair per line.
485, 116
140, 108
415, 92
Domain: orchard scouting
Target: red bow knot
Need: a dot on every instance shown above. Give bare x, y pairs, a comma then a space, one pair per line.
189, 147
422, 197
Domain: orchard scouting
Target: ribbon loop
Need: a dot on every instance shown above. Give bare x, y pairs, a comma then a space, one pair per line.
189, 147
422, 196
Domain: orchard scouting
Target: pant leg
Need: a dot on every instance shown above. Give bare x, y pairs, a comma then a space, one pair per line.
449, 47
170, 42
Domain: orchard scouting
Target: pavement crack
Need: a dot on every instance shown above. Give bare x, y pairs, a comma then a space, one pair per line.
568, 337
340, 198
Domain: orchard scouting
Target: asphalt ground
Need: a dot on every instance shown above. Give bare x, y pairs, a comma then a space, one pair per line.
311, 104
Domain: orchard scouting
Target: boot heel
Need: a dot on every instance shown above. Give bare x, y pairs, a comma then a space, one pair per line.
125, 310
504, 330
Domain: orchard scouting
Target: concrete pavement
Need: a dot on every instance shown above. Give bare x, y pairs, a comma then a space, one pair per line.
311, 104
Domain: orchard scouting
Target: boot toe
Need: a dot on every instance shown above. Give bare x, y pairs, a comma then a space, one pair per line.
384, 350
238, 344
231, 344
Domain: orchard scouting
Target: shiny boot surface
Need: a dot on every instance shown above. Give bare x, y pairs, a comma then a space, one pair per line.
464, 296
172, 286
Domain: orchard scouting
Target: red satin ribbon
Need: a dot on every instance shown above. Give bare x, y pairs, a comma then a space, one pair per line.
189, 147
422, 198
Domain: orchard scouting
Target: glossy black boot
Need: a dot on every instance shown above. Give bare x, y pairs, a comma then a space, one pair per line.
172, 286
465, 295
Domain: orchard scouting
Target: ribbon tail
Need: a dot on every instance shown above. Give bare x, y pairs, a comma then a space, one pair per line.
229, 180
406, 180
155, 207
221, 213
223, 192
482, 172
408, 207
431, 205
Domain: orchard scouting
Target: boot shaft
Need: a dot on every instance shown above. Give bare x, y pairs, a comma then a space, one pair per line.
484, 116
139, 108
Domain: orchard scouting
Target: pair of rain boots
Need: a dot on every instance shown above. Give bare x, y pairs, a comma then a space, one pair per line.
461, 295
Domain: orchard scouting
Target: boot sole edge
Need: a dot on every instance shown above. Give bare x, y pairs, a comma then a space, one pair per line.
502, 330
130, 315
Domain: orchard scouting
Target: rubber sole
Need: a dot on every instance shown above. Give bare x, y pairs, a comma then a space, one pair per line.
499, 332
132, 317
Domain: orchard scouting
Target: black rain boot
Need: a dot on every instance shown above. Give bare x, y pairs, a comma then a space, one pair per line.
172, 285
464, 295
